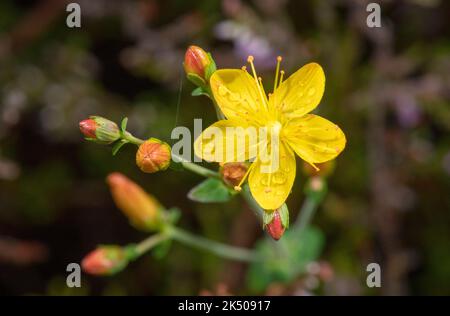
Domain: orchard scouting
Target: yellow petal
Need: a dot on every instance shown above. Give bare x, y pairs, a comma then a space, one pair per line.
227, 141
314, 138
271, 189
300, 93
237, 95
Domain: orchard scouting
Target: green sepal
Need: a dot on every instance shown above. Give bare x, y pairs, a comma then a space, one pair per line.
131, 252
211, 68
284, 215
196, 79
200, 91
117, 145
267, 217
123, 124
210, 191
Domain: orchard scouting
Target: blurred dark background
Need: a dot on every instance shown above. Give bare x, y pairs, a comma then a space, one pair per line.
388, 88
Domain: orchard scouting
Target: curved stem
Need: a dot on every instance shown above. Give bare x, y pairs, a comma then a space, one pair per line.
215, 247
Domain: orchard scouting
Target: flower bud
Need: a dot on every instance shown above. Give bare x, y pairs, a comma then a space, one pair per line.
276, 222
275, 228
100, 130
105, 260
198, 65
143, 210
233, 172
153, 156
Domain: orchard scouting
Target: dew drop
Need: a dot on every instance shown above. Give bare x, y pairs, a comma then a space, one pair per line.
311, 91
265, 180
279, 178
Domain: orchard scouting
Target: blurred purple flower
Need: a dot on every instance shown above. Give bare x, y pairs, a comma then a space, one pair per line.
407, 110
246, 43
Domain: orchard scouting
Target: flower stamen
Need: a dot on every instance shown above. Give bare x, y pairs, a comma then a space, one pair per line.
238, 187
281, 77
275, 83
261, 92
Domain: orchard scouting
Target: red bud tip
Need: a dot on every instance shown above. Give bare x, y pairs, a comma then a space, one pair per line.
275, 228
196, 61
104, 260
88, 127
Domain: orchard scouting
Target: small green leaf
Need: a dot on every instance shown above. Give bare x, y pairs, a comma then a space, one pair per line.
199, 91
118, 145
123, 124
196, 79
210, 191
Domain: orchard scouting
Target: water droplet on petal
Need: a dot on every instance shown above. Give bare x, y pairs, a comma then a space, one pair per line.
279, 178
265, 180
311, 91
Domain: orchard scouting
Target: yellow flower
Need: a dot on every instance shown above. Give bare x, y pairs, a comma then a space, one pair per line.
284, 113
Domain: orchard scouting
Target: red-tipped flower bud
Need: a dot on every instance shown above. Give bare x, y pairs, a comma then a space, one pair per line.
143, 210
153, 156
100, 130
198, 65
276, 222
233, 172
275, 228
105, 260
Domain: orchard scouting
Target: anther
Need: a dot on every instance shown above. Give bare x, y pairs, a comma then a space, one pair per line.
250, 59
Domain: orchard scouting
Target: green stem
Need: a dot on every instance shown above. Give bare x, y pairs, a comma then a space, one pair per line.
196, 168
222, 250
307, 211
134, 140
149, 243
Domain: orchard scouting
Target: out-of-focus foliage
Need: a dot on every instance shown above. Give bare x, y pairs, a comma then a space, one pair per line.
387, 88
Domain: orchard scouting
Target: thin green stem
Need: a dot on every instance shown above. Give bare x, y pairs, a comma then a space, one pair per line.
196, 168
307, 211
217, 248
149, 243
134, 140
